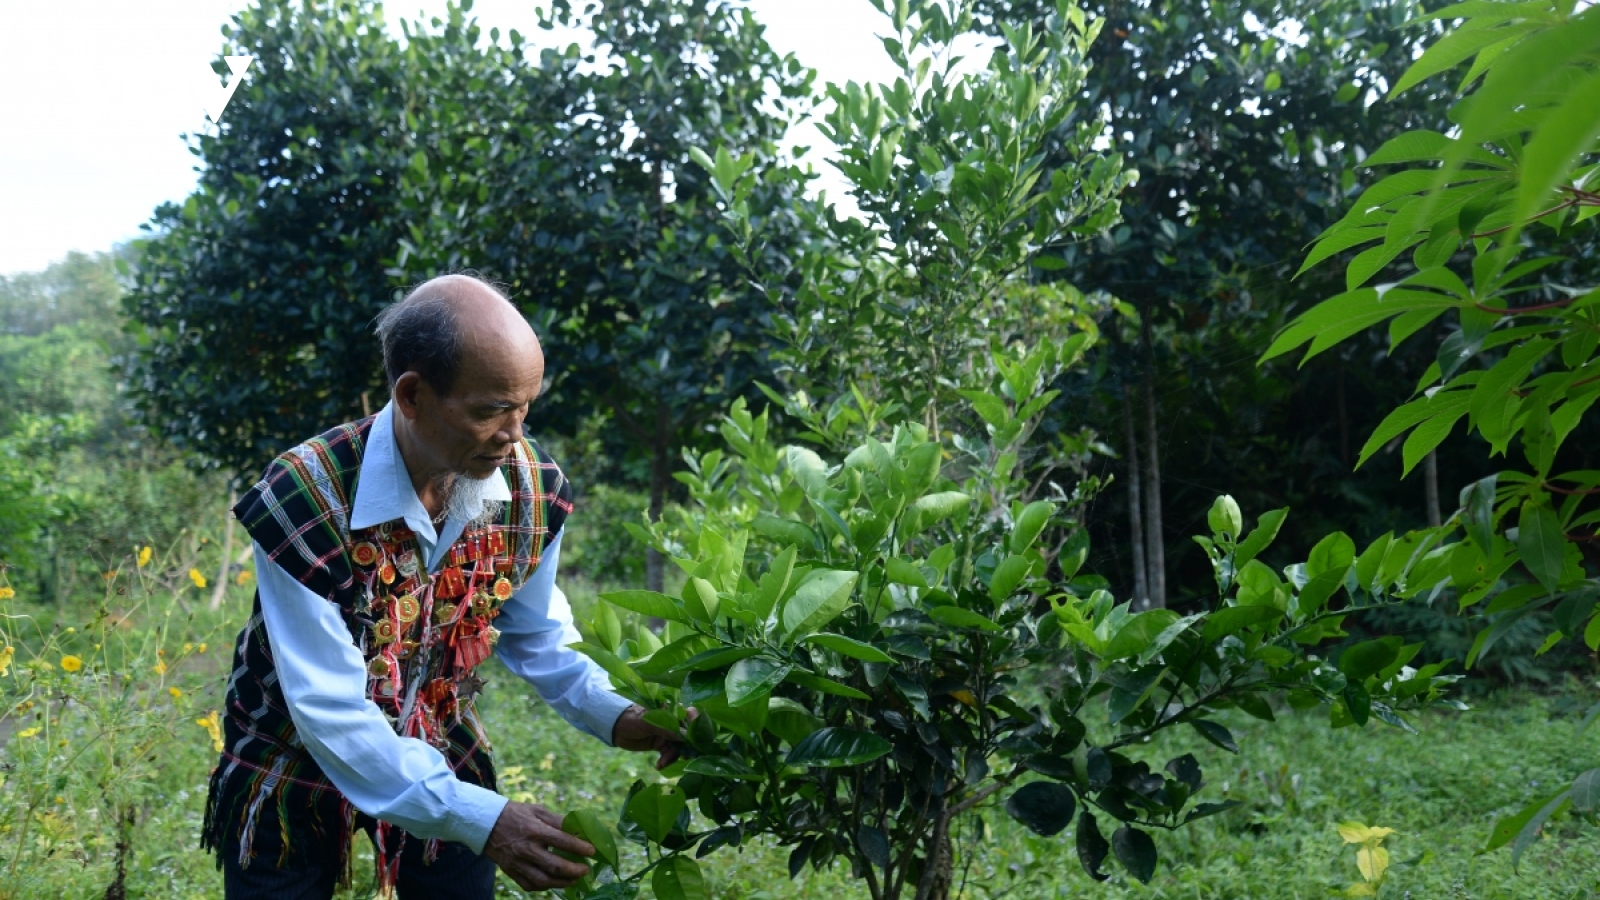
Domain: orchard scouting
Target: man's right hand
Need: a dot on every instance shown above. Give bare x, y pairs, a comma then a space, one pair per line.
521, 845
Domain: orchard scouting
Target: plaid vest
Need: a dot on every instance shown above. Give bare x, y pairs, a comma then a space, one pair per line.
419, 634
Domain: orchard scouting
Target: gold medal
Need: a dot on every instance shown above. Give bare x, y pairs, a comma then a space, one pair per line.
502, 589
444, 612
384, 631
379, 667
407, 609
482, 603
386, 573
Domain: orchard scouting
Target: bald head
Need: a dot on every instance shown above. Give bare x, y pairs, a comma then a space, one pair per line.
451, 322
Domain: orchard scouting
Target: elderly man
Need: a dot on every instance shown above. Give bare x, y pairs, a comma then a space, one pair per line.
394, 555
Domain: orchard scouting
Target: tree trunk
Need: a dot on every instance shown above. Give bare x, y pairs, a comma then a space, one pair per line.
1430, 480
660, 477
1344, 418
939, 869
1141, 587
1155, 552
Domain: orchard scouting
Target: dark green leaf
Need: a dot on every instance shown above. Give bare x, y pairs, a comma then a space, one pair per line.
1045, 807
842, 645
678, 878
1216, 734
834, 747
753, 679
874, 845
1136, 851
1542, 542
1092, 846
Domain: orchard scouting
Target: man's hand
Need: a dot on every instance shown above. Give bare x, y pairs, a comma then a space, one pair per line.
521, 845
632, 732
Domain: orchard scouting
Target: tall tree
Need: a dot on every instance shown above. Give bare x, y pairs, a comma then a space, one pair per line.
604, 231
1245, 122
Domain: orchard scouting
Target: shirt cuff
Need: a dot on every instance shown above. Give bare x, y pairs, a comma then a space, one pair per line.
472, 815
601, 712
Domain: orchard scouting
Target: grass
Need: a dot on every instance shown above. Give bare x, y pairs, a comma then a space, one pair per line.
1440, 790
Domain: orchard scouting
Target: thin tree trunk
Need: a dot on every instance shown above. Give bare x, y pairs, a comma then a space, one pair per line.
1155, 552
1344, 418
1430, 480
221, 585
660, 476
1141, 587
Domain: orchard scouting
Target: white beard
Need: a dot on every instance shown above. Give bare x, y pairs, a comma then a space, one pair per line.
467, 499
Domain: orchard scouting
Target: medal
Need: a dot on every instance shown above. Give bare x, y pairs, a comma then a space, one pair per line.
386, 573
444, 613
408, 563
384, 631
364, 554
407, 609
502, 589
379, 667
450, 585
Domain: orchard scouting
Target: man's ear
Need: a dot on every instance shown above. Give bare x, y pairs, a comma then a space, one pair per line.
406, 389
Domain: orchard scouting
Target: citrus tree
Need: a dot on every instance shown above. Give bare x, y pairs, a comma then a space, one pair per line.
1457, 232
886, 631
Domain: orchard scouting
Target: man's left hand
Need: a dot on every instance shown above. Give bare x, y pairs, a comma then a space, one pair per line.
632, 732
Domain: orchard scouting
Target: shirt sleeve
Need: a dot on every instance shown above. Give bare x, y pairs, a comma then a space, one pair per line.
324, 680
535, 631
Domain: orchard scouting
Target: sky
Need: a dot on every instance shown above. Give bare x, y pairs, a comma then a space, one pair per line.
95, 95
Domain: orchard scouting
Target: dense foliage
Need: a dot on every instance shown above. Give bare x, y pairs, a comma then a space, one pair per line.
1521, 367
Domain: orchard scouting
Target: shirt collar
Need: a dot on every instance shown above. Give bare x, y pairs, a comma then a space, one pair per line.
384, 492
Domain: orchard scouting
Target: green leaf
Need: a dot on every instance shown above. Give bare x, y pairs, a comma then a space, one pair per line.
837, 747
844, 646
1586, 791
655, 809
1225, 518
753, 679
1233, 619
1007, 576
648, 603
587, 824
1216, 734
808, 471
817, 683
1032, 520
784, 531
659, 664
774, 584
1530, 830
722, 767
1138, 632
957, 617
678, 878
790, 721
1136, 851
1092, 846
1044, 807
901, 571
1259, 539
1542, 543
821, 596
874, 845
1368, 658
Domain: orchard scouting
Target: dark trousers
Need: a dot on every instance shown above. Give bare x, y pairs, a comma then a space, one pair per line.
457, 874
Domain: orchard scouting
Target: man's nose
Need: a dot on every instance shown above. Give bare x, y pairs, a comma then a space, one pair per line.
510, 429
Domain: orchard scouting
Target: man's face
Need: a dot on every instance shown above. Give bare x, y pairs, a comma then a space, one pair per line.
469, 430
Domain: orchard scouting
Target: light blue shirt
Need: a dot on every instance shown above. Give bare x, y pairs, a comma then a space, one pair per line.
324, 678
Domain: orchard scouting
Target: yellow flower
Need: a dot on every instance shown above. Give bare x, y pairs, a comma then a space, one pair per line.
548, 763
213, 728
161, 667
201, 648
29, 732
188, 647
144, 557
7, 593
71, 663
243, 578
198, 579
176, 694
6, 656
